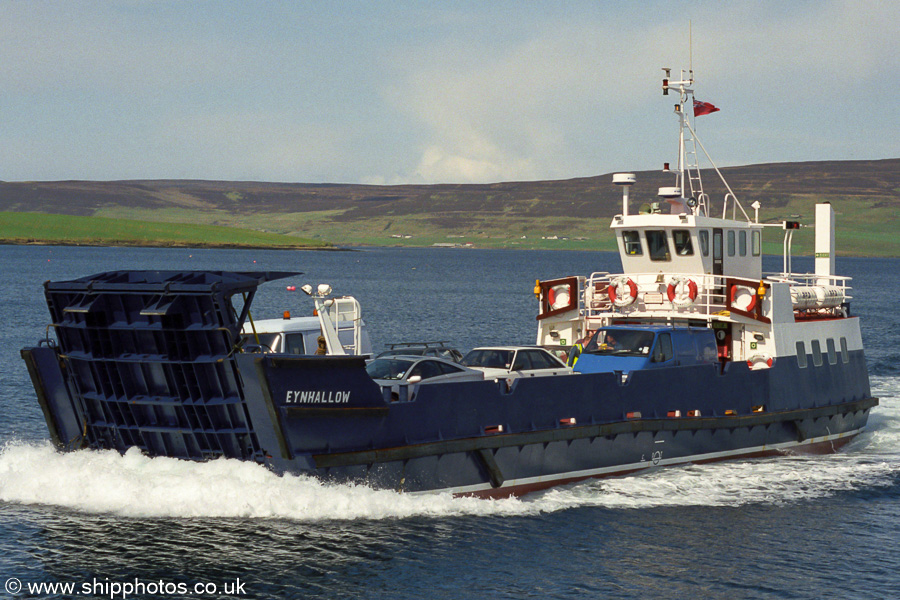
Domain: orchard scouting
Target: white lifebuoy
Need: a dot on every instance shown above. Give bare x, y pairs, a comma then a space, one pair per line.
760, 361
622, 291
743, 298
559, 297
681, 291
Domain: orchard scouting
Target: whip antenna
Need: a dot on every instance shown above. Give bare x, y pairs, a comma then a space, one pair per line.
691, 49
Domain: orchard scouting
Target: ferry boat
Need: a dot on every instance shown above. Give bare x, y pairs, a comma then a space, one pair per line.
692, 354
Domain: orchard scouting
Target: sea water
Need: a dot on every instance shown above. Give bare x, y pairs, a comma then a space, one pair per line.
784, 527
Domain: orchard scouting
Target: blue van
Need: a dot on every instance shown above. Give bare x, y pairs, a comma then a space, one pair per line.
633, 347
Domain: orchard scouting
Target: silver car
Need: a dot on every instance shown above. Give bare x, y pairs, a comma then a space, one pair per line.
440, 351
400, 372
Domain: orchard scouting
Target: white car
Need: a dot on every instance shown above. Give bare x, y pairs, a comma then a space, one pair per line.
514, 361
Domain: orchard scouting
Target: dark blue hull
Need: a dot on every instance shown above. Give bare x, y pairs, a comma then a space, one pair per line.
561, 428
172, 383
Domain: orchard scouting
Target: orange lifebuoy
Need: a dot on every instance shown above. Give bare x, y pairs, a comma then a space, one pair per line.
750, 305
680, 299
618, 296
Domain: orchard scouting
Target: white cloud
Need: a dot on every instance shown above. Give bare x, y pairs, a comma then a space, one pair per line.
520, 110
512, 113
437, 165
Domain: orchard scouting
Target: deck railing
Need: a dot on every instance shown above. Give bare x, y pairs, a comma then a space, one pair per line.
692, 295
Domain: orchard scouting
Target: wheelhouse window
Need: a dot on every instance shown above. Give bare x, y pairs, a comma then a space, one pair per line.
682, 241
704, 242
742, 243
731, 243
657, 246
632, 242
801, 355
845, 355
757, 243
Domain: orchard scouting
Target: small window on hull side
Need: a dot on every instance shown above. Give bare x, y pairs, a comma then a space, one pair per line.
632, 242
801, 355
757, 243
704, 242
845, 354
731, 243
817, 353
742, 243
832, 355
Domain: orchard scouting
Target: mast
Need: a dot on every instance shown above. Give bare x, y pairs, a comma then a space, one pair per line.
688, 196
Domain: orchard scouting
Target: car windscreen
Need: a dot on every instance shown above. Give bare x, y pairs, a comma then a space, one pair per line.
488, 358
388, 368
620, 342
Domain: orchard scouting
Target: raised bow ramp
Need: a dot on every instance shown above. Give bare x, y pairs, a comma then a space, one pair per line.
146, 359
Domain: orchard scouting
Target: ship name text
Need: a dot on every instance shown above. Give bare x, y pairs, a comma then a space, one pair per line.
317, 397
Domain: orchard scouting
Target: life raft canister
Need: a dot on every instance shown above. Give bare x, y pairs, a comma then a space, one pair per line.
676, 291
743, 297
622, 291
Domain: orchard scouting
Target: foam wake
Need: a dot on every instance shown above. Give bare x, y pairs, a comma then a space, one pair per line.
134, 485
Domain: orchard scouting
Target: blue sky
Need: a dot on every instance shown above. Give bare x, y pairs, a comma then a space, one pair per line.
432, 92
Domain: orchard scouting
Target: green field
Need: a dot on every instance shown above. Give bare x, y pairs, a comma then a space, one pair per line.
572, 214
40, 228
872, 236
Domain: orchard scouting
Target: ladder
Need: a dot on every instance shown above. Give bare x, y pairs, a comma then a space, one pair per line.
337, 315
692, 168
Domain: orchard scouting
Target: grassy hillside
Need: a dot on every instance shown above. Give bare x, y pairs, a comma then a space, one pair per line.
575, 212
29, 228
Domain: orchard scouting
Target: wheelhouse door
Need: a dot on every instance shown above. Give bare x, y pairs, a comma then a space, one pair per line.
717, 252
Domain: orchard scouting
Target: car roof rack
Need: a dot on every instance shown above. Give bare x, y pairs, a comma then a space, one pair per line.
413, 344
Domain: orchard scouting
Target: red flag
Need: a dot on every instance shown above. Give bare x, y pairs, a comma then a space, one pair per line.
703, 108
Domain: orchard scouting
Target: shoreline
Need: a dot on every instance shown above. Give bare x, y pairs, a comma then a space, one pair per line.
349, 247
145, 244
